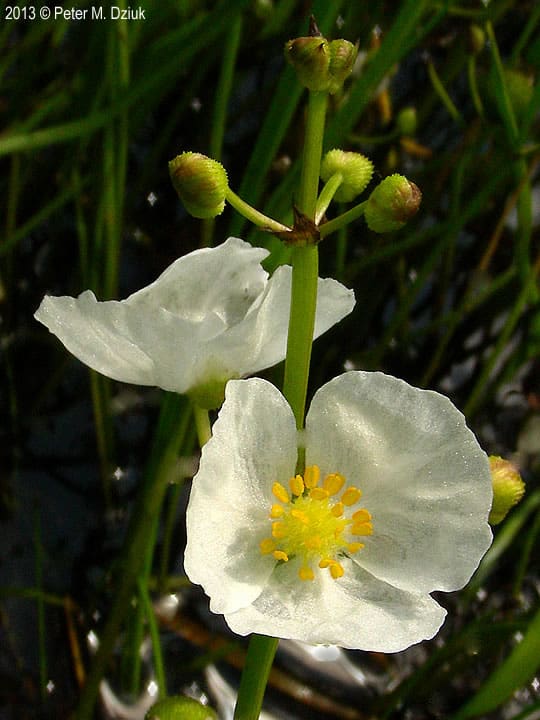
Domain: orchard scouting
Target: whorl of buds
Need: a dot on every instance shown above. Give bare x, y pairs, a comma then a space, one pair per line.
201, 183
393, 202
508, 488
356, 170
321, 66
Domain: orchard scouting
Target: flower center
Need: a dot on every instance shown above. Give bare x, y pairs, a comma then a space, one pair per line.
310, 522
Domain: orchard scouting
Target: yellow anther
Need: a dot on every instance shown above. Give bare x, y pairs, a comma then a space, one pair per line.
318, 493
297, 485
361, 515
306, 573
267, 546
336, 570
315, 520
299, 515
279, 491
350, 496
312, 475
333, 483
362, 529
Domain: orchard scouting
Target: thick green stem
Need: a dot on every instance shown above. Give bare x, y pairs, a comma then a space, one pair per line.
259, 661
305, 269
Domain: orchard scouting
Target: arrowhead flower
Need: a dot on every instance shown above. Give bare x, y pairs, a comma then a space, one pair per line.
392, 505
212, 315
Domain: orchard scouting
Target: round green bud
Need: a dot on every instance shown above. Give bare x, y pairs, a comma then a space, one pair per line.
201, 183
406, 121
342, 57
310, 57
508, 488
180, 708
477, 39
393, 202
355, 168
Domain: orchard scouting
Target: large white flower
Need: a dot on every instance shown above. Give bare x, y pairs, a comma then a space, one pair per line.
211, 316
392, 506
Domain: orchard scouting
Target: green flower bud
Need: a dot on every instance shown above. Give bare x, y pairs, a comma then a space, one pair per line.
393, 202
201, 183
477, 39
180, 708
508, 488
310, 57
321, 66
406, 121
355, 168
520, 88
342, 57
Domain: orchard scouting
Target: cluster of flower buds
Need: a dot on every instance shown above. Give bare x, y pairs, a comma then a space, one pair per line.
321, 65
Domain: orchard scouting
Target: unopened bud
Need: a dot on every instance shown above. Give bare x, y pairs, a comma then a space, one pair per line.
342, 57
508, 488
180, 708
393, 202
310, 57
477, 39
321, 66
355, 168
201, 183
406, 121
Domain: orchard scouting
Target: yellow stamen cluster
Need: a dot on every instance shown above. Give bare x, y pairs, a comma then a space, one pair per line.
310, 522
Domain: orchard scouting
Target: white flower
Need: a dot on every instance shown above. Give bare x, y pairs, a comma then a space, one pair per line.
211, 316
400, 510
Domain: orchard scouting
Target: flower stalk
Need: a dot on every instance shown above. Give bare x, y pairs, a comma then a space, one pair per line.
305, 264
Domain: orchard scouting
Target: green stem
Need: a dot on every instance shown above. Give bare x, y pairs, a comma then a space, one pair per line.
326, 196
342, 220
202, 423
255, 216
305, 269
154, 636
259, 661
309, 181
443, 95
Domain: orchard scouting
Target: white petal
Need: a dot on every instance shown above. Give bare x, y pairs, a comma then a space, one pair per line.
260, 341
357, 611
424, 477
222, 282
252, 446
98, 334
